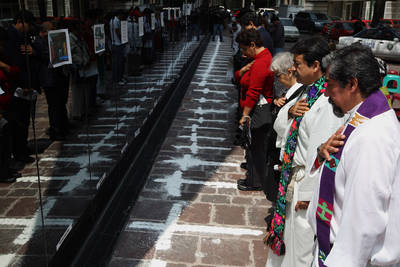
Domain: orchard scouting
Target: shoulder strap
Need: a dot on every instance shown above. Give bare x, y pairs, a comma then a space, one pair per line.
298, 92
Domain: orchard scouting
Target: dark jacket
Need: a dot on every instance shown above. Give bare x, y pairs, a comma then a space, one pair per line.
48, 76
267, 40
27, 77
278, 35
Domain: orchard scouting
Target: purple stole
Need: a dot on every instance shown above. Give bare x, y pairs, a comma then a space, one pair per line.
373, 105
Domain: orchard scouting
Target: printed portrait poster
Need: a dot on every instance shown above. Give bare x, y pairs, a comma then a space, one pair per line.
124, 32
59, 48
153, 21
141, 26
99, 38
162, 19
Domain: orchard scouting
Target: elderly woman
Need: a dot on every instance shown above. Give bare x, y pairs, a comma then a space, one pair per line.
256, 80
282, 66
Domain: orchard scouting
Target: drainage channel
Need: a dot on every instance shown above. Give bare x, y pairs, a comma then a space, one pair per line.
91, 240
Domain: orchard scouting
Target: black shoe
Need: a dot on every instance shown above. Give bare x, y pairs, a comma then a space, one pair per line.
241, 181
8, 180
26, 159
57, 137
245, 187
243, 165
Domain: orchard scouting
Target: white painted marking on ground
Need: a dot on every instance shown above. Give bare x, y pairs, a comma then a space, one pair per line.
201, 111
201, 120
188, 161
206, 91
204, 100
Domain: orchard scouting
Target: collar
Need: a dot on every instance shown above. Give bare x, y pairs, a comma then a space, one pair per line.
351, 112
261, 54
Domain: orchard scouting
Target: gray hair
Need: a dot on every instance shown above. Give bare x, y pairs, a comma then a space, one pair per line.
282, 62
354, 61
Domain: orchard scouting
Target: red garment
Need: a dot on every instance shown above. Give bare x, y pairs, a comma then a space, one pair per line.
5, 98
258, 80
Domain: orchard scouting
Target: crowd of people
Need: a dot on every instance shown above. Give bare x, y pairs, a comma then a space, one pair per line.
26, 70
324, 150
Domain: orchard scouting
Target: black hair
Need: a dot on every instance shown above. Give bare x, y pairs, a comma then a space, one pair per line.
24, 15
313, 49
245, 37
250, 17
355, 61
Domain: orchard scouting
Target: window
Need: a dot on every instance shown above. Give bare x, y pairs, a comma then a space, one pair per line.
348, 26
321, 16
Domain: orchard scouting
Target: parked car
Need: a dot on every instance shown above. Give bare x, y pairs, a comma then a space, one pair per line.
383, 41
310, 21
291, 32
336, 29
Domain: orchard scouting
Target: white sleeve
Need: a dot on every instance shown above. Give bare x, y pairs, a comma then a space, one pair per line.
390, 251
282, 122
320, 128
369, 166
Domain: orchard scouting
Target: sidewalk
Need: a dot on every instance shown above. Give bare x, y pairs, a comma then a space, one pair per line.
190, 212
68, 175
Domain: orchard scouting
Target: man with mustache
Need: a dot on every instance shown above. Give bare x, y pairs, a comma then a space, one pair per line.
312, 121
354, 211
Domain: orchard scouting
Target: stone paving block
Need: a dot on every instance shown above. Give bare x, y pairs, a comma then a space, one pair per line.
36, 246
226, 214
137, 245
260, 253
152, 210
196, 213
24, 207
6, 204
7, 238
242, 200
183, 249
231, 252
23, 192
216, 199
256, 215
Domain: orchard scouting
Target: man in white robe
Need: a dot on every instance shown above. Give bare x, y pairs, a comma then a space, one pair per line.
317, 125
365, 225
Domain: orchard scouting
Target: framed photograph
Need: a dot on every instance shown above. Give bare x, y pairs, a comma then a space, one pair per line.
59, 48
141, 26
124, 31
99, 38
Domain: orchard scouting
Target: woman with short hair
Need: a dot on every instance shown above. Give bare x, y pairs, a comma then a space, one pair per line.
256, 80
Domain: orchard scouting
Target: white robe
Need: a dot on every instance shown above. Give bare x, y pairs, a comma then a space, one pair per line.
365, 227
318, 124
282, 122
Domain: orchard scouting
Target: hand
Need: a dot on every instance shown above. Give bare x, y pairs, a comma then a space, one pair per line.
245, 68
26, 49
332, 145
301, 205
299, 108
279, 102
245, 119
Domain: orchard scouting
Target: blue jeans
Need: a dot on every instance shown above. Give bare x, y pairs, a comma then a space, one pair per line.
278, 50
217, 27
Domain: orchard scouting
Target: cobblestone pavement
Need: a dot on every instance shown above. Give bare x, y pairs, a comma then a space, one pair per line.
68, 175
190, 212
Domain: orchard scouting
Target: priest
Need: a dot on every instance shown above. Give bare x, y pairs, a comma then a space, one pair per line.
355, 211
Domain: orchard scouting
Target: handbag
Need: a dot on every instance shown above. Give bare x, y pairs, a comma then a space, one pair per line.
260, 115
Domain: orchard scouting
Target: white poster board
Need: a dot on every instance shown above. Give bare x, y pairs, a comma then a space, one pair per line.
188, 9
59, 48
141, 26
153, 21
124, 32
99, 38
162, 19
